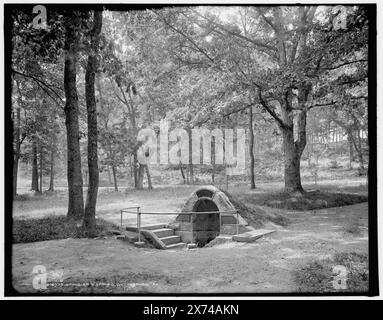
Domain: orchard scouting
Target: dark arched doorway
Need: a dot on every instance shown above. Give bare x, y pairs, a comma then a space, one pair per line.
205, 226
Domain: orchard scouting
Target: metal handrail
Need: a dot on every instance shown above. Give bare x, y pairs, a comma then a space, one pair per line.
181, 213
139, 213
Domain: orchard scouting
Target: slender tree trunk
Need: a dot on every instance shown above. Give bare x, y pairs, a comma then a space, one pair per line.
109, 176
52, 173
357, 147
191, 173
351, 154
16, 156
91, 107
15, 171
85, 179
41, 168
251, 148
131, 167
226, 179
361, 160
74, 172
52, 161
136, 166
191, 167
150, 185
35, 171
114, 171
213, 168
182, 173
140, 178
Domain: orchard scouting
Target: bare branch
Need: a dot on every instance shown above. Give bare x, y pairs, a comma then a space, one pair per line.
185, 36
345, 64
238, 35
269, 110
39, 81
332, 103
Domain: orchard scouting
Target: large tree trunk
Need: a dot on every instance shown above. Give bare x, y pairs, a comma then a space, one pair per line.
115, 177
292, 159
74, 173
16, 156
251, 148
293, 150
35, 170
91, 68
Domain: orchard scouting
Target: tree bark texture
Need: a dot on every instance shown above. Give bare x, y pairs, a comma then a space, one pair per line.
74, 173
35, 170
91, 107
251, 148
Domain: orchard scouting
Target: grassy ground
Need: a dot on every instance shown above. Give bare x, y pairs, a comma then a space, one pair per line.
268, 265
54, 228
171, 199
307, 201
344, 272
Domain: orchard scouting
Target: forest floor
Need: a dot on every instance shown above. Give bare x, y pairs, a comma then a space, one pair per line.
113, 266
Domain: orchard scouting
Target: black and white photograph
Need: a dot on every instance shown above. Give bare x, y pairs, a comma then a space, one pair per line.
182, 149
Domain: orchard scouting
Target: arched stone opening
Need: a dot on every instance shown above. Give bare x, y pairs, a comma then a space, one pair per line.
206, 226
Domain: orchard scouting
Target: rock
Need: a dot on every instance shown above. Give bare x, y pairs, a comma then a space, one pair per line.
321, 203
219, 240
139, 244
252, 235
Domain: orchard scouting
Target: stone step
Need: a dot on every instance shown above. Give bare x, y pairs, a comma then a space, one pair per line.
127, 236
164, 232
170, 240
154, 226
178, 245
251, 235
147, 227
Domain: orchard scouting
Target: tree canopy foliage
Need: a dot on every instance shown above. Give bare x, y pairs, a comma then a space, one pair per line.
286, 67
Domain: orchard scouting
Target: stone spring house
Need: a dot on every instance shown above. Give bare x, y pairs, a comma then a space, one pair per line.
202, 228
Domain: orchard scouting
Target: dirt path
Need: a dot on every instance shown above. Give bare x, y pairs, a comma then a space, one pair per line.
263, 266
